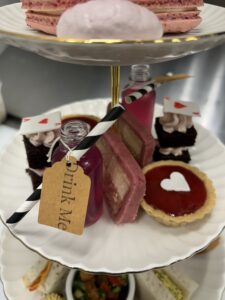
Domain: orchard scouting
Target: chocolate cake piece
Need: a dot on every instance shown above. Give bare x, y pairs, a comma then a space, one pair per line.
185, 156
36, 155
40, 134
175, 139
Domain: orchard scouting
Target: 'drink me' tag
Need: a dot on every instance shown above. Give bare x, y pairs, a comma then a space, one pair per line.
64, 197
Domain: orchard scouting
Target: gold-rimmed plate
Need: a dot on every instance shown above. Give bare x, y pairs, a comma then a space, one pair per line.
14, 31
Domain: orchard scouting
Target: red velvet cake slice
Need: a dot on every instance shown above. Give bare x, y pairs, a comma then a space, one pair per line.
137, 138
124, 182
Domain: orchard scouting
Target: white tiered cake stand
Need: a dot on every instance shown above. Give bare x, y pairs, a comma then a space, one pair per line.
209, 34
106, 247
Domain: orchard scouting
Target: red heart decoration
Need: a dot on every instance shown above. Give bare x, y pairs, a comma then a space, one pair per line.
179, 105
44, 121
26, 119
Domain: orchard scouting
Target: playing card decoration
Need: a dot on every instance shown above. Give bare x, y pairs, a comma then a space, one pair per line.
181, 107
40, 123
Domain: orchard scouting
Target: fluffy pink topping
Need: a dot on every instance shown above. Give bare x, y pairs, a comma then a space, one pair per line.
109, 19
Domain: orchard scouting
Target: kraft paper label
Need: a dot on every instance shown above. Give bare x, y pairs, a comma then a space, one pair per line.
64, 197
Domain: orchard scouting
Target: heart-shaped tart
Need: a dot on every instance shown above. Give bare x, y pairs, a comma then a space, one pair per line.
177, 193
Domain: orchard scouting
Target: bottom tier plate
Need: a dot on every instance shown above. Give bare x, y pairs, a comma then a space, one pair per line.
106, 247
208, 270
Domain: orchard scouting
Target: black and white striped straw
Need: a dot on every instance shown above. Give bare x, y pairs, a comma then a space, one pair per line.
103, 125
141, 92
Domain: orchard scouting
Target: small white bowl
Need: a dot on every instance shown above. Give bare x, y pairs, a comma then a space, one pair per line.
69, 282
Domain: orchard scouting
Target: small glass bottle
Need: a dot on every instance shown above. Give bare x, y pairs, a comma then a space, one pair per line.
143, 109
72, 133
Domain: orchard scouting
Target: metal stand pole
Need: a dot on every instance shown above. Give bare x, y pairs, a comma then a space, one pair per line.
115, 85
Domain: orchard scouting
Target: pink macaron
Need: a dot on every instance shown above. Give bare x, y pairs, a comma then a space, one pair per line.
177, 16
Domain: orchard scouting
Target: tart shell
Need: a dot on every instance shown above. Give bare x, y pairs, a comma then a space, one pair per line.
199, 214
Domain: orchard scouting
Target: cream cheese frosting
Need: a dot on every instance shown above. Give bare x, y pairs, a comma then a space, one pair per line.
173, 151
175, 122
43, 138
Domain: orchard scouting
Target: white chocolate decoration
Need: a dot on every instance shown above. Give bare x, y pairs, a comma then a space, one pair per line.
175, 122
176, 183
41, 123
109, 19
186, 108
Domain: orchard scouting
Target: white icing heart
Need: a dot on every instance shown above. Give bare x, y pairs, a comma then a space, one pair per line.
176, 182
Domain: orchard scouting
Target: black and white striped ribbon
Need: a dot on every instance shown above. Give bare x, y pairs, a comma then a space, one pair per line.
100, 128
141, 92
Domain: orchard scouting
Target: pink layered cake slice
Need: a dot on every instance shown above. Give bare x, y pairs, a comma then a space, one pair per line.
176, 15
137, 138
44, 15
49, 6
124, 182
42, 22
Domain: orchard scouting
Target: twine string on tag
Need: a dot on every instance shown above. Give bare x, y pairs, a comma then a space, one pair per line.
68, 154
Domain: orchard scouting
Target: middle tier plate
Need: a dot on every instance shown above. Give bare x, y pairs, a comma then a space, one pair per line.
106, 247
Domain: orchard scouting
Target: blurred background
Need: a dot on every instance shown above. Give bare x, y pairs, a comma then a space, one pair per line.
32, 84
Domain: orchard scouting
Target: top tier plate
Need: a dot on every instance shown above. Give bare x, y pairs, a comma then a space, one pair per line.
210, 33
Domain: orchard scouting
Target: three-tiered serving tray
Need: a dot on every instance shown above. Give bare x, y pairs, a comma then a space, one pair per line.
106, 247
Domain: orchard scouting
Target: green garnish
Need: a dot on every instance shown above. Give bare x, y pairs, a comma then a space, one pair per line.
116, 290
78, 294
